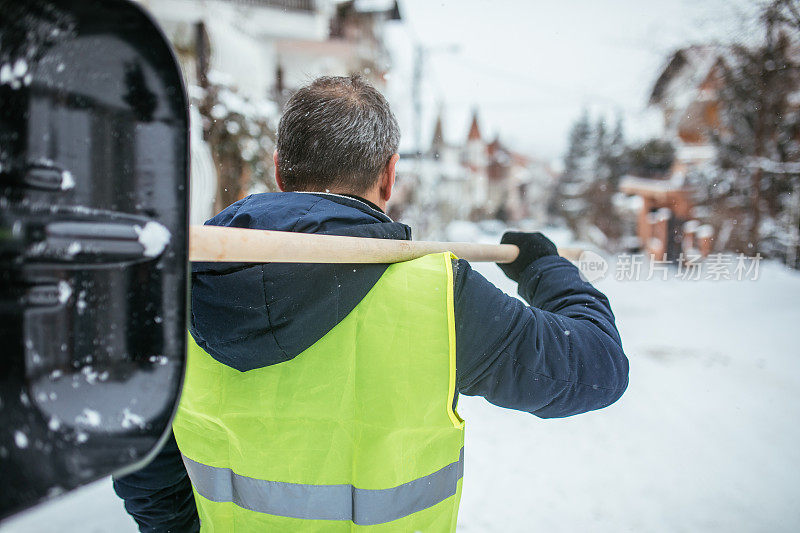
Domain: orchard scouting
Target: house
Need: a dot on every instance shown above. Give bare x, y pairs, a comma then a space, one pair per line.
475, 158
536, 181
456, 190
271, 47
241, 59
687, 94
469, 180
508, 175
242, 36
664, 210
435, 187
498, 176
354, 44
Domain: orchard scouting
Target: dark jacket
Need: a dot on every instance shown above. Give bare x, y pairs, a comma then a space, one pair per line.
558, 356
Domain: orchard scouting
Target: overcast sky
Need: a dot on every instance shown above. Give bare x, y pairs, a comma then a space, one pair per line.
531, 66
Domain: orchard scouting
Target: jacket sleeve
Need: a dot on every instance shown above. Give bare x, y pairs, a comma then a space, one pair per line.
559, 356
159, 496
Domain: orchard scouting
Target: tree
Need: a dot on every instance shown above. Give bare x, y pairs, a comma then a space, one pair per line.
651, 159
616, 151
609, 150
593, 166
759, 139
569, 200
785, 12
241, 137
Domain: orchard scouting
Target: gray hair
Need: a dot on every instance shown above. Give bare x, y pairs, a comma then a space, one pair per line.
337, 132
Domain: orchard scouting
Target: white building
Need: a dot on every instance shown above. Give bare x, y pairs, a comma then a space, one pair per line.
254, 53
243, 35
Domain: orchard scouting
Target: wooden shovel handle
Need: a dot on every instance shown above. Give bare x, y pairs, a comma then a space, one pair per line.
238, 245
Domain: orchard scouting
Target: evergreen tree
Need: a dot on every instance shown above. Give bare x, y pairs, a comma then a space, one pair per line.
569, 201
608, 151
616, 151
593, 165
601, 152
651, 159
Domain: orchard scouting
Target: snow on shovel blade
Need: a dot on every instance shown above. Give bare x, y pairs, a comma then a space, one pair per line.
93, 218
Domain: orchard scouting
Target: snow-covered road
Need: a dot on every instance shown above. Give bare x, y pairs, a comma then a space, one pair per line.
705, 439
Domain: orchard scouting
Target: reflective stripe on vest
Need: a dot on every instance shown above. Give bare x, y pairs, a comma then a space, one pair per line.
325, 502
358, 432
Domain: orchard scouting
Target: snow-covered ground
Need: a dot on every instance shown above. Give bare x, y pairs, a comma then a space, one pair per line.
705, 439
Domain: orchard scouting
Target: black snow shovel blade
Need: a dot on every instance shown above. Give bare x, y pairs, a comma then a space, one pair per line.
93, 218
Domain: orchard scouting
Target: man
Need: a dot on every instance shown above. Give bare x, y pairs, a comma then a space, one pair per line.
322, 397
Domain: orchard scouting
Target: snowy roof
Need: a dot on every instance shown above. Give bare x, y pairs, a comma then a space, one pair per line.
499, 153
685, 71
369, 6
299, 5
695, 152
635, 185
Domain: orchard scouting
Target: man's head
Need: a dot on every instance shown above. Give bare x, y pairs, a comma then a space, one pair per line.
339, 134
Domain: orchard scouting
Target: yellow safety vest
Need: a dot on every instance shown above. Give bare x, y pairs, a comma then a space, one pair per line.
358, 432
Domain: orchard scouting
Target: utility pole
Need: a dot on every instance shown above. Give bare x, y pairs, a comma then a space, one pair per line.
420, 55
427, 199
416, 96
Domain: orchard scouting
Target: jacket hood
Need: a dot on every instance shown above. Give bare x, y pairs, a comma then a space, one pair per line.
249, 315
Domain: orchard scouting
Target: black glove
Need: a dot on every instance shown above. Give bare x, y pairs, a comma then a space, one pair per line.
532, 246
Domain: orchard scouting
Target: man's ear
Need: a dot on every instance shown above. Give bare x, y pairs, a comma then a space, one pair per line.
388, 177
278, 178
